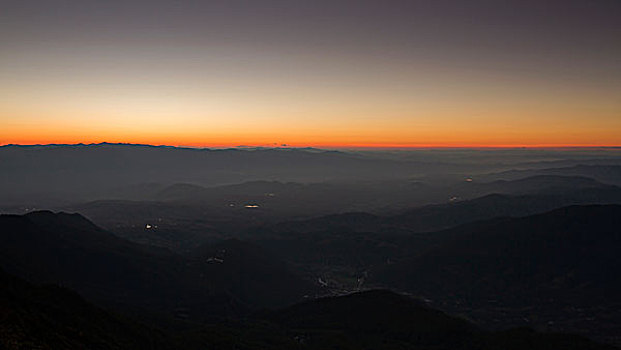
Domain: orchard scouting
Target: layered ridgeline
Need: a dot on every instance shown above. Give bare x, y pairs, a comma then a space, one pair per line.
556, 270
59, 172
189, 215
610, 174
358, 242
69, 250
55, 175
49, 317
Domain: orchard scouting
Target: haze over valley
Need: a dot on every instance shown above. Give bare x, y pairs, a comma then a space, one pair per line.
175, 238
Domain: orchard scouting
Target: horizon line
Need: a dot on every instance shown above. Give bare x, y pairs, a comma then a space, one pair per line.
328, 146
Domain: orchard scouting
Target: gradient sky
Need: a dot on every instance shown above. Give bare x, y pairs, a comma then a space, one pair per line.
322, 73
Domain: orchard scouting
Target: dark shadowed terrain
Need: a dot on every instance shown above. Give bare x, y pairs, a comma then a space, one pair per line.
115, 246
50, 317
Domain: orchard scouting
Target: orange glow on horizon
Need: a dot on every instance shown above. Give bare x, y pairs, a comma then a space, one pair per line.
349, 91
327, 145
371, 134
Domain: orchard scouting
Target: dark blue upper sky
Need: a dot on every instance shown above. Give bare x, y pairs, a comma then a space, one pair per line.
323, 55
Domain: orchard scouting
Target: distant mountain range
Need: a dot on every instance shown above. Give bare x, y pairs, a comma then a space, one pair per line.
64, 174
610, 174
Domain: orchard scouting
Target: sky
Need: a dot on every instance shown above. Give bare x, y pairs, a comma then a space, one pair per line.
334, 73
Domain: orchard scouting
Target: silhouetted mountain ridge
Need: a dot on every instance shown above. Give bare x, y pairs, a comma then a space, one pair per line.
69, 250
380, 319
563, 262
606, 173
50, 317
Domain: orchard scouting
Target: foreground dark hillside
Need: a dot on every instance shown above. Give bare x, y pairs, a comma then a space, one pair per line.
67, 249
51, 317
380, 319
554, 271
557, 270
